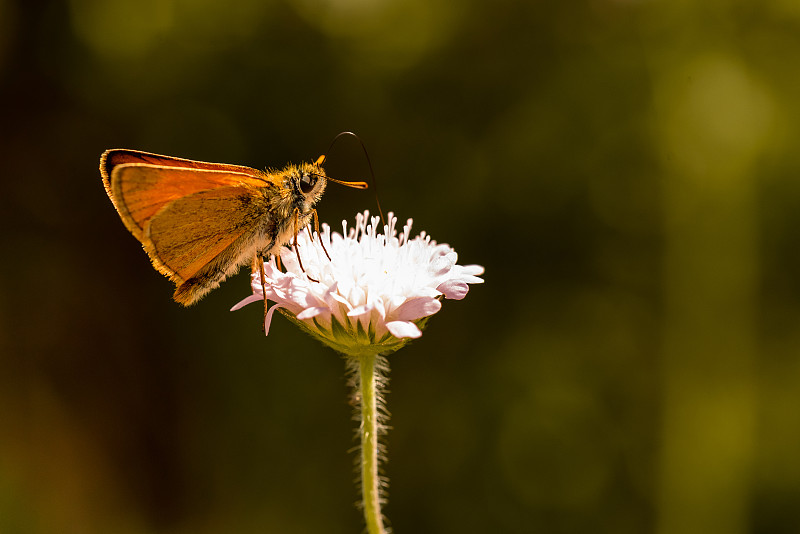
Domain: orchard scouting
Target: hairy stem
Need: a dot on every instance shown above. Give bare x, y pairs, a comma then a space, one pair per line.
368, 382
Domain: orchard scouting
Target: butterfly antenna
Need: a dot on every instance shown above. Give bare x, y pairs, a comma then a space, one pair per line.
371, 172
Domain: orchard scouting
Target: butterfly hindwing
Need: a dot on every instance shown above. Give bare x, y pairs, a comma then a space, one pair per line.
200, 239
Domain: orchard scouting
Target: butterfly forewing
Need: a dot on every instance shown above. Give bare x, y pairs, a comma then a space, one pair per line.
140, 191
121, 156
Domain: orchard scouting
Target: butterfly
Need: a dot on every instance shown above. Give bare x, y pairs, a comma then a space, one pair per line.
200, 222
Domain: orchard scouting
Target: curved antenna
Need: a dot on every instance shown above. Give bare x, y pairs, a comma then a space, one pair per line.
371, 172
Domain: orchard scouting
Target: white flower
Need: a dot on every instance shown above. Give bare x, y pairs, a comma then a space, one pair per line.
375, 292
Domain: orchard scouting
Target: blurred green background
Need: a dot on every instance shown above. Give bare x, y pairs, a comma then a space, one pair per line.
626, 171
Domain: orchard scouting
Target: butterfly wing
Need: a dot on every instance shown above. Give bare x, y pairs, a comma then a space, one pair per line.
200, 239
140, 189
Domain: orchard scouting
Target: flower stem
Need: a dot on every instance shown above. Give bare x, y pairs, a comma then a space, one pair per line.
369, 379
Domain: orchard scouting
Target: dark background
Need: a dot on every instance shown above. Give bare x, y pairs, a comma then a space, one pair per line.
626, 171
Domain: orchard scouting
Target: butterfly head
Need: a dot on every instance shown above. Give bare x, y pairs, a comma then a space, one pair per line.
307, 183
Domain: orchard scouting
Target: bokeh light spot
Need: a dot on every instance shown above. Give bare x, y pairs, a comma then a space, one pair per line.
121, 29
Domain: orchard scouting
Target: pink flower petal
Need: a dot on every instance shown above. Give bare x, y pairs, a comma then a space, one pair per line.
308, 313
443, 264
417, 308
378, 306
268, 318
424, 292
475, 270
401, 329
341, 300
454, 289
358, 311
331, 291
247, 300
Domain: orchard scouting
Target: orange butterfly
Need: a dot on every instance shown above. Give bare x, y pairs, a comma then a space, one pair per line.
199, 222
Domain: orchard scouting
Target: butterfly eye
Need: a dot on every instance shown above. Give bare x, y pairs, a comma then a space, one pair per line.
307, 183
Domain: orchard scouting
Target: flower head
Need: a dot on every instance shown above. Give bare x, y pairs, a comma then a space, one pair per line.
375, 292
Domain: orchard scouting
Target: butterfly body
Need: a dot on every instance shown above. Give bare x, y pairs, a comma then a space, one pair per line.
200, 222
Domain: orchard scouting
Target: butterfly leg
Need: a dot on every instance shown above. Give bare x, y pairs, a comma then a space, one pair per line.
296, 248
260, 260
316, 229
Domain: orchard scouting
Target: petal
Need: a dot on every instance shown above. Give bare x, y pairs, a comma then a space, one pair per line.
454, 289
425, 291
268, 318
467, 273
401, 329
308, 313
475, 270
331, 290
357, 295
358, 311
418, 308
340, 299
247, 300
395, 301
378, 306
443, 264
